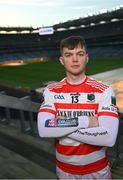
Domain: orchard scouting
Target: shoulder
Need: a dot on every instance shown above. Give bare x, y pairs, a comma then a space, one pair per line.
56, 85
101, 86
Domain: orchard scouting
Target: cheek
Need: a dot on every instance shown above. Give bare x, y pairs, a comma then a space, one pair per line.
83, 63
67, 63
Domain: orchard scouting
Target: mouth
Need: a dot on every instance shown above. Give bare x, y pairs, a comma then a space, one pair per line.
75, 66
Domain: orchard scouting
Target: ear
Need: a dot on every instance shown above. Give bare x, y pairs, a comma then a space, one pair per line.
61, 60
87, 58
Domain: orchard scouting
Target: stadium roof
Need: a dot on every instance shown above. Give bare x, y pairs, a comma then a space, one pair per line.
17, 29
108, 16
95, 19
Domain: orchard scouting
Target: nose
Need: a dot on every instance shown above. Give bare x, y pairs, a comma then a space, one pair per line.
75, 58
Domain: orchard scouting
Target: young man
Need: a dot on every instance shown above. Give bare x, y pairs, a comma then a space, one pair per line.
81, 113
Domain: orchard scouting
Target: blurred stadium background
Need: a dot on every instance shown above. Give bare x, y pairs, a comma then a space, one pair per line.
18, 108
103, 34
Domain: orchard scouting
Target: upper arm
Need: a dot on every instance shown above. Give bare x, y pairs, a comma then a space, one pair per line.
48, 104
107, 104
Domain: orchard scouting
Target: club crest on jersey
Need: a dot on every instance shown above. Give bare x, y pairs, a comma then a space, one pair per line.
91, 97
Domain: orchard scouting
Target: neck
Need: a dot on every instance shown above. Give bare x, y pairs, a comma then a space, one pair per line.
72, 79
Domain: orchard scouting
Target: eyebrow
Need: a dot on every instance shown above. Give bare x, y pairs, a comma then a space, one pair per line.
81, 51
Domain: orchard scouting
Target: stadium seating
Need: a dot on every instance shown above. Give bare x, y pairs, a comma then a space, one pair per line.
103, 39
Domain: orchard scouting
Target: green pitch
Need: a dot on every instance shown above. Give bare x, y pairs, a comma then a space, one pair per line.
33, 75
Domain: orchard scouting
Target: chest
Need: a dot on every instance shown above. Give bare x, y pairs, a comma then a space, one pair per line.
76, 104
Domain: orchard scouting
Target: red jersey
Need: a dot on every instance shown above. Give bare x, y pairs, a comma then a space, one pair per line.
89, 98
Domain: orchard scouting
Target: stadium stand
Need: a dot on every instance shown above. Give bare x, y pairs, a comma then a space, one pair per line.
18, 109
103, 34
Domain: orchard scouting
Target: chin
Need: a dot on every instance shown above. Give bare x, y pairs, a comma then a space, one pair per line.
77, 73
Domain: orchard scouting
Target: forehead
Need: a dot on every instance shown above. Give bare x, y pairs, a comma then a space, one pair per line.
78, 48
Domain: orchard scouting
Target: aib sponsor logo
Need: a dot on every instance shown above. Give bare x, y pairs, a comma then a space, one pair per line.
59, 96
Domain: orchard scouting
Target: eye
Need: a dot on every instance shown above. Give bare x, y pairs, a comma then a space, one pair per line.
67, 55
81, 54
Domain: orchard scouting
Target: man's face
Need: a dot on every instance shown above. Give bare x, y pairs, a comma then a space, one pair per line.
74, 60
